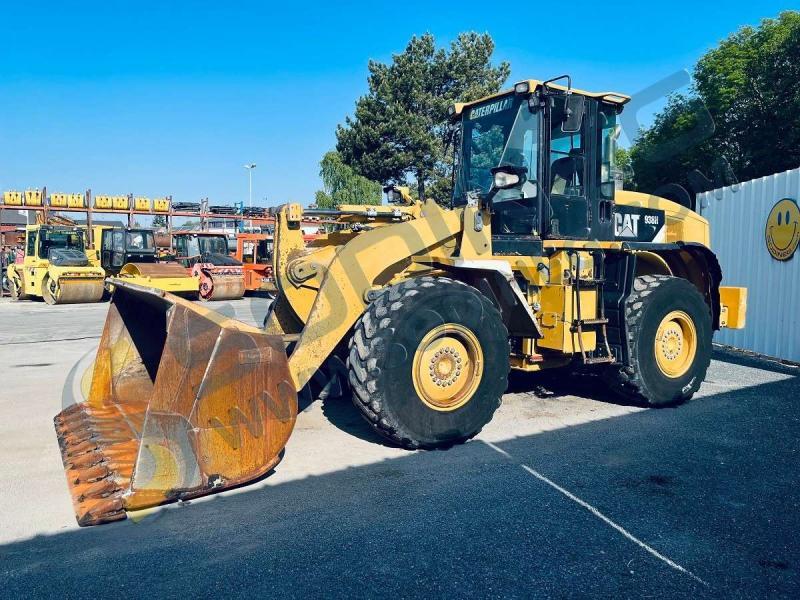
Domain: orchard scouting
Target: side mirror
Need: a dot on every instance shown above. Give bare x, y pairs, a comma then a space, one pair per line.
508, 176
574, 108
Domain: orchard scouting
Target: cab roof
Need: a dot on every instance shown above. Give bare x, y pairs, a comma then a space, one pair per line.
533, 84
49, 227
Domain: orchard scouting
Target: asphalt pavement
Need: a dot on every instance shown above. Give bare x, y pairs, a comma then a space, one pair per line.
566, 493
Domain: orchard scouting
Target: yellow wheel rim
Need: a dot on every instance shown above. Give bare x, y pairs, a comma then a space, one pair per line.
447, 367
675, 344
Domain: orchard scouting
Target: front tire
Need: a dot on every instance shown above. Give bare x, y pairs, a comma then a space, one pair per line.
429, 362
49, 294
669, 332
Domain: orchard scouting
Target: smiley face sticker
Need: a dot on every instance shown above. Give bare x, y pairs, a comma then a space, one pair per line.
782, 232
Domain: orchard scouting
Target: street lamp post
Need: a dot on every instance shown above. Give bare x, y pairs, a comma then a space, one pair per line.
250, 167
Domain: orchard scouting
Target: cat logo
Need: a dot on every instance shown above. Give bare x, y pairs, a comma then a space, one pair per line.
490, 109
626, 225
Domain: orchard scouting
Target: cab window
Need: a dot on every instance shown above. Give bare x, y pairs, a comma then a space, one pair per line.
264, 255
609, 133
140, 240
118, 246
248, 252
30, 250
56, 239
567, 169
118, 241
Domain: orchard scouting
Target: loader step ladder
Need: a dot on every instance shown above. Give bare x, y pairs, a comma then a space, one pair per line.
599, 323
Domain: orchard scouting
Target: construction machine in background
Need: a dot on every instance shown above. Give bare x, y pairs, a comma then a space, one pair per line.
254, 251
536, 262
207, 257
55, 267
130, 254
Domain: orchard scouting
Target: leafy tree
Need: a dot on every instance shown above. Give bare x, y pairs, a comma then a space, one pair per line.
159, 221
622, 161
399, 130
748, 85
343, 186
677, 144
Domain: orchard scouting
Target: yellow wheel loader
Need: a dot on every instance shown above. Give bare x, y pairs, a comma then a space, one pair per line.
129, 254
55, 267
537, 261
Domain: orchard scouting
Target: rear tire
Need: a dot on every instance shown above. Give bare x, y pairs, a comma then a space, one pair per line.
429, 362
668, 326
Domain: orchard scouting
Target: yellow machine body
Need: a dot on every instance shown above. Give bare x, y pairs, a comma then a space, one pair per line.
168, 276
39, 276
547, 300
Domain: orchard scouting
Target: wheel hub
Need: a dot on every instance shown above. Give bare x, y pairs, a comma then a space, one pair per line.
447, 367
675, 344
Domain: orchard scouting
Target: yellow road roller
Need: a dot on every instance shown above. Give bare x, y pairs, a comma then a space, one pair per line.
55, 267
129, 254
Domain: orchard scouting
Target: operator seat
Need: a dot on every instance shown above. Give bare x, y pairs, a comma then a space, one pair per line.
566, 173
568, 207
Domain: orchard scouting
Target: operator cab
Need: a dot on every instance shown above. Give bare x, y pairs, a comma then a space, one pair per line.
193, 248
51, 239
120, 246
257, 252
542, 157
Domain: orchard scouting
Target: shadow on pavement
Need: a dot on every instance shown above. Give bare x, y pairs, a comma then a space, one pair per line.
712, 486
738, 357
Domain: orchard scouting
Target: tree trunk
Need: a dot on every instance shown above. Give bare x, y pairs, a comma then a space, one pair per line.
421, 185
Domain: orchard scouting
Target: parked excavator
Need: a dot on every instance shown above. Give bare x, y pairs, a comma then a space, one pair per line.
207, 257
537, 261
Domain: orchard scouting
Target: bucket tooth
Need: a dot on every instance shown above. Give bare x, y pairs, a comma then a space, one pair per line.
100, 489
105, 510
84, 461
91, 475
80, 448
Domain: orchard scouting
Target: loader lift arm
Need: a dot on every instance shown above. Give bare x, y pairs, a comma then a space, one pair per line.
356, 267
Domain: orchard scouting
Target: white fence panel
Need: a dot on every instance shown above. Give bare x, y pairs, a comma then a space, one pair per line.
738, 216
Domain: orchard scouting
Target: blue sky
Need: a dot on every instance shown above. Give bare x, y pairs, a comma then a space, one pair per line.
173, 98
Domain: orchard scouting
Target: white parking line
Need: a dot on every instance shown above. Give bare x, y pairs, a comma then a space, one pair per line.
600, 516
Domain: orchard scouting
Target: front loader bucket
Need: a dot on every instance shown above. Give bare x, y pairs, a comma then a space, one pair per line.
183, 402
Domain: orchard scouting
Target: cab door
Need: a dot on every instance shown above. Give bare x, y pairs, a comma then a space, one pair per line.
30, 262
567, 210
118, 250
105, 250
